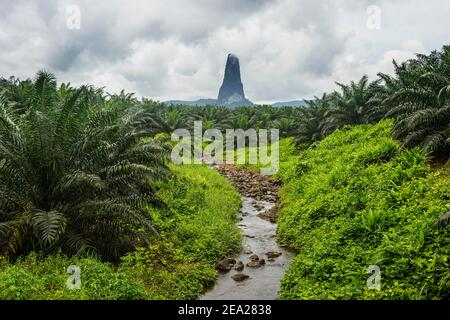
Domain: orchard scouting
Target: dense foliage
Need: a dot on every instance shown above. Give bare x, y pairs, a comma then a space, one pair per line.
174, 117
197, 228
417, 97
75, 172
34, 277
356, 200
85, 180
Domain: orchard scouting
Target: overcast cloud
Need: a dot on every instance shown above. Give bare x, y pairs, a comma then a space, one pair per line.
167, 49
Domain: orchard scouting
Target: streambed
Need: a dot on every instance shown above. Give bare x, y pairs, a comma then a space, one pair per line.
259, 238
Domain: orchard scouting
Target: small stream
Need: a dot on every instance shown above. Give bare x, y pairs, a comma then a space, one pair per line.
259, 238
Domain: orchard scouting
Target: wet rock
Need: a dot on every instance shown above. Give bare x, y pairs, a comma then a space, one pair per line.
270, 215
273, 254
239, 266
253, 264
254, 257
256, 263
248, 252
271, 259
225, 265
249, 236
251, 183
258, 207
239, 277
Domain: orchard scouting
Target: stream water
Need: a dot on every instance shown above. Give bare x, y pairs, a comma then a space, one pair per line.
259, 238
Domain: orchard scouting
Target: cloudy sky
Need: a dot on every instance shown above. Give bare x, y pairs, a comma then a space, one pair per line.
176, 49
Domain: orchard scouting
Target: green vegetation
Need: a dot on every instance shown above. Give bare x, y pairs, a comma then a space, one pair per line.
76, 173
197, 228
85, 179
173, 117
417, 98
35, 277
356, 200
203, 213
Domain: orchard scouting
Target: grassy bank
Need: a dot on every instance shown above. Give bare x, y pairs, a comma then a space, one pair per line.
356, 200
197, 228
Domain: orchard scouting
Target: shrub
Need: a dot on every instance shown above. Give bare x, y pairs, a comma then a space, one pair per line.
36, 277
360, 202
76, 173
197, 227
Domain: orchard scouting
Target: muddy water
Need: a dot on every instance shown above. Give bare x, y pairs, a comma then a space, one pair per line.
259, 238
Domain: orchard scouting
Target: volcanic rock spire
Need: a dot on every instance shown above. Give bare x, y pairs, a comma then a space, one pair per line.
231, 92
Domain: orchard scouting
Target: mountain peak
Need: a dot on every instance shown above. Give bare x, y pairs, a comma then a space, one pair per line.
232, 91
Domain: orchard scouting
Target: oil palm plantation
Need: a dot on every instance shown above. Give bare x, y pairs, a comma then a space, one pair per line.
311, 119
351, 105
211, 116
12, 92
76, 174
286, 125
421, 106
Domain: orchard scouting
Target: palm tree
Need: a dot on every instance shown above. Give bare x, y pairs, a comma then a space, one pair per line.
240, 120
351, 105
311, 119
421, 107
379, 102
286, 125
12, 92
212, 116
76, 176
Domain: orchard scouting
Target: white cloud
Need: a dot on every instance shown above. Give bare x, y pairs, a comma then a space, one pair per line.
168, 49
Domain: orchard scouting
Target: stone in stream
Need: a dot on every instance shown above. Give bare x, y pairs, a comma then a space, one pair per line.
273, 254
270, 215
225, 265
258, 207
239, 266
239, 277
256, 263
254, 257
251, 183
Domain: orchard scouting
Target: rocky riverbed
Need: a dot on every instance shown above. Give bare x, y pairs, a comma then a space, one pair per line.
253, 185
257, 271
